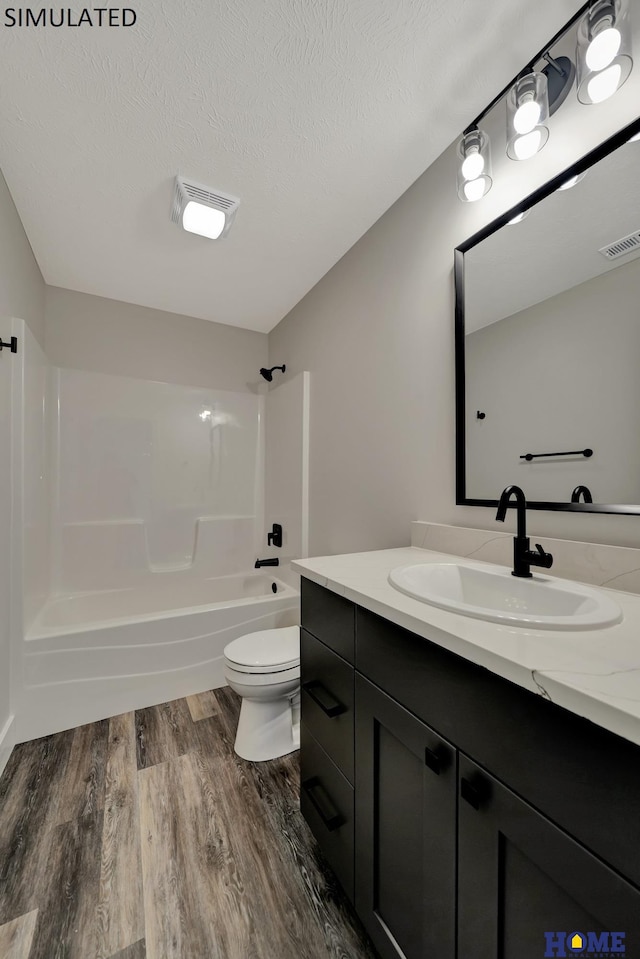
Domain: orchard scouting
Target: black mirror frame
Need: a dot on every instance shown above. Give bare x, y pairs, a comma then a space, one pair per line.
601, 151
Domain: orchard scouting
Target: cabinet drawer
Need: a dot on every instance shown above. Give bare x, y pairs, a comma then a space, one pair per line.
329, 617
327, 700
326, 802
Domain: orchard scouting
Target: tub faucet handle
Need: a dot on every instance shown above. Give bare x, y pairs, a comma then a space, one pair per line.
274, 538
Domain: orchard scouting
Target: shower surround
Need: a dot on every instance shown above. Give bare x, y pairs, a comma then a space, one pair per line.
141, 570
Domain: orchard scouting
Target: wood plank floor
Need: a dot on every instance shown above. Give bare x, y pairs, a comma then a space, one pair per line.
146, 837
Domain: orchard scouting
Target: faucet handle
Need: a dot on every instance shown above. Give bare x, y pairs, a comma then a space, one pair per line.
543, 558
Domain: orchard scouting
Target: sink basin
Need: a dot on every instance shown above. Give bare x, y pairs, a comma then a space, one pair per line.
492, 593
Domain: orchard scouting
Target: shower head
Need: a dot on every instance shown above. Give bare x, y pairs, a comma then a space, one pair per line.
268, 374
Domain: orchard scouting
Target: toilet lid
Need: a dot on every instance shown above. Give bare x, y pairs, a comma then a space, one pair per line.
268, 650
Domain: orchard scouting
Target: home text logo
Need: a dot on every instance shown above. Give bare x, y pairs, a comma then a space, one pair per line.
595, 945
67, 17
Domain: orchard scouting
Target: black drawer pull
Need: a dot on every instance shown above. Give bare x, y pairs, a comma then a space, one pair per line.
476, 791
434, 760
331, 706
322, 803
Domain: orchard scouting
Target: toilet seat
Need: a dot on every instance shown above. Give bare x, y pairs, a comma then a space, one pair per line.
273, 678
266, 651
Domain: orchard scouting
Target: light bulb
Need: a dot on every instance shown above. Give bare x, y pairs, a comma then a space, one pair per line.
472, 165
603, 85
528, 145
474, 189
603, 49
527, 116
204, 220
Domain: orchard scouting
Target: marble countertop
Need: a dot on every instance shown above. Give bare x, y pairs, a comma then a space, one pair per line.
594, 673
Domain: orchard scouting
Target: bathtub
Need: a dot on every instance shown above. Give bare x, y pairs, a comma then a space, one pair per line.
95, 654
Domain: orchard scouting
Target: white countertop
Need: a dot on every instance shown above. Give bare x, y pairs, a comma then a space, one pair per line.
594, 673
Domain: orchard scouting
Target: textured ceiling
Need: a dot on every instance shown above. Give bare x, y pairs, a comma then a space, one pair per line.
318, 114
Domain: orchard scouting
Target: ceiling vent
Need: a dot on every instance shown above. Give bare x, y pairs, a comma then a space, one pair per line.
621, 247
199, 209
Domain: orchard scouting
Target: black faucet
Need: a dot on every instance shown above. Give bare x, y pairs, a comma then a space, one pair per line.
583, 491
267, 562
523, 557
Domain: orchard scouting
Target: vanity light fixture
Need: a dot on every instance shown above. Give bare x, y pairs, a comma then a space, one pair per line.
474, 167
560, 73
199, 209
634, 139
527, 113
603, 63
518, 218
603, 51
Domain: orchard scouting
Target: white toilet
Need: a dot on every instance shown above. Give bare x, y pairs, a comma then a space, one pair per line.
264, 668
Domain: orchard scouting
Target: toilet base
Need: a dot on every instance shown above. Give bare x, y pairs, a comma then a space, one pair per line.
266, 730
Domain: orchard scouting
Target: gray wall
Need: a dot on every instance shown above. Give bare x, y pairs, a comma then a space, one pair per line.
107, 336
22, 290
377, 334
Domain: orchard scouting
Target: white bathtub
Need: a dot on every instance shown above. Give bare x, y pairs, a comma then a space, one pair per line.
96, 654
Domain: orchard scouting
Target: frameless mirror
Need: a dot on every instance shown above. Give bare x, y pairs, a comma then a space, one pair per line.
548, 342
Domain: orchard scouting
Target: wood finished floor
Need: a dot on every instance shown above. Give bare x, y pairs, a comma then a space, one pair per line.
146, 837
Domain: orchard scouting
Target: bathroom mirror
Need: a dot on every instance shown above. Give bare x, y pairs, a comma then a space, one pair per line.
548, 342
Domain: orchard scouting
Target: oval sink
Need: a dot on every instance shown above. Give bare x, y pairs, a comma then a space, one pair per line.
492, 593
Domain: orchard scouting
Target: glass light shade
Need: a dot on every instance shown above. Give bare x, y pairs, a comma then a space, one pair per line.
603, 49
603, 85
634, 139
526, 146
603, 52
204, 220
527, 115
474, 167
475, 189
518, 218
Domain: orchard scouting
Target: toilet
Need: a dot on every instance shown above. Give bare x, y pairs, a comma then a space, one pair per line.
264, 669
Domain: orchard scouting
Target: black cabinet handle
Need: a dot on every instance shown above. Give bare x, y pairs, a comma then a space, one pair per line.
330, 706
436, 759
322, 803
475, 792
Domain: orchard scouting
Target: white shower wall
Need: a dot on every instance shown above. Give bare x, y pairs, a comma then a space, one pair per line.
36, 475
152, 477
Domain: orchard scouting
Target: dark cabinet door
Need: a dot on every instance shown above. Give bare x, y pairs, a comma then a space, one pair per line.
406, 785
526, 889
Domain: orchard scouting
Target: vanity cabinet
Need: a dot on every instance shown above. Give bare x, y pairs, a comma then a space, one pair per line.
521, 877
327, 647
479, 816
406, 784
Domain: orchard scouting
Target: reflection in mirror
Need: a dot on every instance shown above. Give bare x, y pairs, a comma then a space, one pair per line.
552, 345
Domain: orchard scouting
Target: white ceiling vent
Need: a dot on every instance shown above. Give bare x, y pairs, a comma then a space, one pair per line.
199, 209
626, 244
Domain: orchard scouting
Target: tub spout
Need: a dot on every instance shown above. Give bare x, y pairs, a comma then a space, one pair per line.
267, 562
